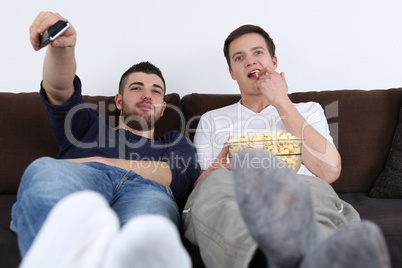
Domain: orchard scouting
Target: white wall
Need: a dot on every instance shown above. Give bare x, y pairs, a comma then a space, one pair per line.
321, 45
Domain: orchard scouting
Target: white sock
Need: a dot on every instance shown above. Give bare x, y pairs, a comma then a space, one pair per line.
75, 234
147, 241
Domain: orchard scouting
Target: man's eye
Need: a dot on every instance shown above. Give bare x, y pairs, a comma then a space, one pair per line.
157, 92
135, 88
258, 52
238, 58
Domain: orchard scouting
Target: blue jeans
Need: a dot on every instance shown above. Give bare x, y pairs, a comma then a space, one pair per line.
47, 180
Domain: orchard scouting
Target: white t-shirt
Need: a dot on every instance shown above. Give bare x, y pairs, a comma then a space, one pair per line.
215, 127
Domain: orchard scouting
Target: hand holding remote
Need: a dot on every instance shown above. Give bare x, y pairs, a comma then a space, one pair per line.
51, 28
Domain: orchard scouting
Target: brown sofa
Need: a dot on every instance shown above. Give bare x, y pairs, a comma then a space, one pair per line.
363, 124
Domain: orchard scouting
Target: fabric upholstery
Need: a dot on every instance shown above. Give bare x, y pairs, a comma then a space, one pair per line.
389, 183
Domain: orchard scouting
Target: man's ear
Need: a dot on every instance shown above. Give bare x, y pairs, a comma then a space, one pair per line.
118, 100
231, 74
275, 62
163, 109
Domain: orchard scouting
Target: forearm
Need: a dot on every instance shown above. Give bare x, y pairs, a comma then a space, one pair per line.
59, 66
152, 170
58, 74
318, 154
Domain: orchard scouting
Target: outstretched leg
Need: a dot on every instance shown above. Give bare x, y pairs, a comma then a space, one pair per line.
44, 183
276, 206
83, 231
355, 245
76, 233
147, 241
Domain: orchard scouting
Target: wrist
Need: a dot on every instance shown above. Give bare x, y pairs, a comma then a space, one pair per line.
283, 103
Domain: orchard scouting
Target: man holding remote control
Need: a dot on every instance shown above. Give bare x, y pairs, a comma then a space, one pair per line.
107, 176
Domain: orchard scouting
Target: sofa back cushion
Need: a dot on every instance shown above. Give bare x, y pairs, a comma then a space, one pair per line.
26, 134
361, 122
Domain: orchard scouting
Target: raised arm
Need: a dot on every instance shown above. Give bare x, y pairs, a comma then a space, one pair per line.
59, 66
319, 155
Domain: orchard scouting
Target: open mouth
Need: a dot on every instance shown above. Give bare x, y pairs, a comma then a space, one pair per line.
254, 74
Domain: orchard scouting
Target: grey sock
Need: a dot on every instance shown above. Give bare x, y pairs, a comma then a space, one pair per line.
276, 206
355, 245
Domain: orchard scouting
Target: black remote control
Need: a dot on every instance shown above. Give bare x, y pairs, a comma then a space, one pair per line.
55, 31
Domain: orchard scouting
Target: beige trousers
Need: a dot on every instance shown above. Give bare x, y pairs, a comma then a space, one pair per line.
213, 222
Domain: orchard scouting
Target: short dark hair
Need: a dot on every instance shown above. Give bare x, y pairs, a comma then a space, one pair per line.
245, 29
142, 67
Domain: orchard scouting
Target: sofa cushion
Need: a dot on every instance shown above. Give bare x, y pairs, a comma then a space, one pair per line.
195, 105
389, 183
387, 214
9, 252
26, 134
362, 124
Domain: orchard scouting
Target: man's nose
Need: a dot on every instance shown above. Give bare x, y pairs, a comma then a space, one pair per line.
146, 95
250, 61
